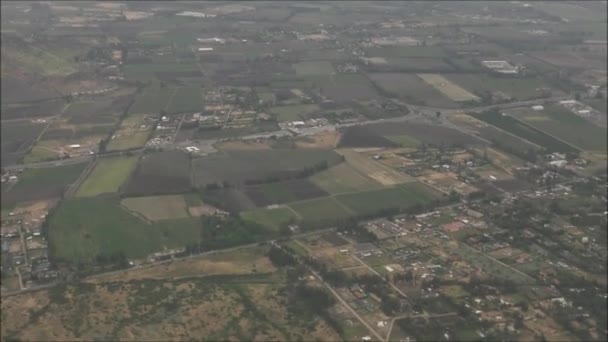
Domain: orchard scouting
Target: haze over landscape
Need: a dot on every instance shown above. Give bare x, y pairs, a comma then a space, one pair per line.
304, 170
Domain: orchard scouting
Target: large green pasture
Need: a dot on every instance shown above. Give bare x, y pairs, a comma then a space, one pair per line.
314, 68
186, 99
514, 126
402, 197
240, 166
38, 178
107, 176
519, 88
343, 178
326, 208
83, 228
272, 218
152, 100
560, 122
294, 112
406, 51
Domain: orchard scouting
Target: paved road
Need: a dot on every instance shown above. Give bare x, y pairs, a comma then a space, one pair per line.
424, 113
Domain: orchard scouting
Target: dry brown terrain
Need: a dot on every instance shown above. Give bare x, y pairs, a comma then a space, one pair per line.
245, 300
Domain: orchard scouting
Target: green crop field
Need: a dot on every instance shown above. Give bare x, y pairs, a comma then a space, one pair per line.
326, 208
148, 71
343, 178
64, 175
401, 197
514, 126
134, 140
272, 218
83, 228
240, 166
186, 99
158, 207
107, 176
293, 113
404, 140
152, 100
406, 51
519, 88
562, 123
314, 68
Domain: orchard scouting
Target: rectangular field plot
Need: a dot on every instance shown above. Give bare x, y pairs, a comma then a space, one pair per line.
374, 170
400, 197
107, 176
449, 89
326, 208
562, 123
43, 183
518, 88
514, 126
275, 218
283, 192
348, 87
157, 207
293, 113
16, 139
166, 172
81, 229
343, 178
314, 68
161, 71
133, 132
406, 51
186, 99
153, 99
411, 88
239, 167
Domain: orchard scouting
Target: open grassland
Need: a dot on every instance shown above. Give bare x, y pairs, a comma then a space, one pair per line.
84, 228
240, 306
275, 218
449, 89
378, 172
294, 112
186, 99
347, 87
236, 167
107, 176
166, 172
160, 71
406, 51
514, 126
518, 88
565, 125
400, 197
152, 100
314, 68
326, 208
37, 60
344, 178
158, 207
132, 133
405, 140
241, 261
43, 183
282, 192
411, 88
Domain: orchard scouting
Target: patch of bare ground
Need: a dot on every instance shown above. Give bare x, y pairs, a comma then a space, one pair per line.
322, 140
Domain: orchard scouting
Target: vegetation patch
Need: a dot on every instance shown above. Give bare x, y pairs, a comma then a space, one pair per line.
158, 207
275, 218
400, 197
107, 176
84, 228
